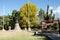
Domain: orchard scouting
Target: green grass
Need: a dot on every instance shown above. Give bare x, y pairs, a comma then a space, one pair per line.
20, 35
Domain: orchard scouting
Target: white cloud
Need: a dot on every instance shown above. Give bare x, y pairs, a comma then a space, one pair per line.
50, 7
57, 10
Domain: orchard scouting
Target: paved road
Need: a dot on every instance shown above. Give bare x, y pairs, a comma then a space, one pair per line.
53, 36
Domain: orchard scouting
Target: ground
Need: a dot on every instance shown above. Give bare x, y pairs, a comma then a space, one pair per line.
19, 35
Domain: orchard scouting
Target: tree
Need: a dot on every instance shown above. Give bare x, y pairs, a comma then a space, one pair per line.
12, 19
46, 16
28, 15
14, 12
1, 22
41, 14
59, 25
49, 17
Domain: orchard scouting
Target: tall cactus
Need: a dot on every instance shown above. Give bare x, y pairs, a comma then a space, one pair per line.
49, 17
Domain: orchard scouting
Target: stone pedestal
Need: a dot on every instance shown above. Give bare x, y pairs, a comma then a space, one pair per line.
3, 29
25, 29
29, 29
9, 28
17, 27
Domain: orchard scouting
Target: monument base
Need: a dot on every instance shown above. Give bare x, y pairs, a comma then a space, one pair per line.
29, 29
17, 27
25, 29
3, 29
9, 28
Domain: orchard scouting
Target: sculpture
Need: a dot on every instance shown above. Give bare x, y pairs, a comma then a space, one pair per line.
17, 27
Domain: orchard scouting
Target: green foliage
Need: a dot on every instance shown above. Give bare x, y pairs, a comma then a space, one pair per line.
41, 14
6, 21
12, 24
14, 12
6, 27
1, 20
12, 19
28, 15
55, 26
48, 17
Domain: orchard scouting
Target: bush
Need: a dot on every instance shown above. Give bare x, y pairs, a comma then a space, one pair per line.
1, 28
12, 24
55, 26
6, 27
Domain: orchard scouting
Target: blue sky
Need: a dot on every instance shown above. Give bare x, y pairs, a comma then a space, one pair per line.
6, 6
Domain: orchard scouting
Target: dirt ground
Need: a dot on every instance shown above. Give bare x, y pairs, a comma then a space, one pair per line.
17, 35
